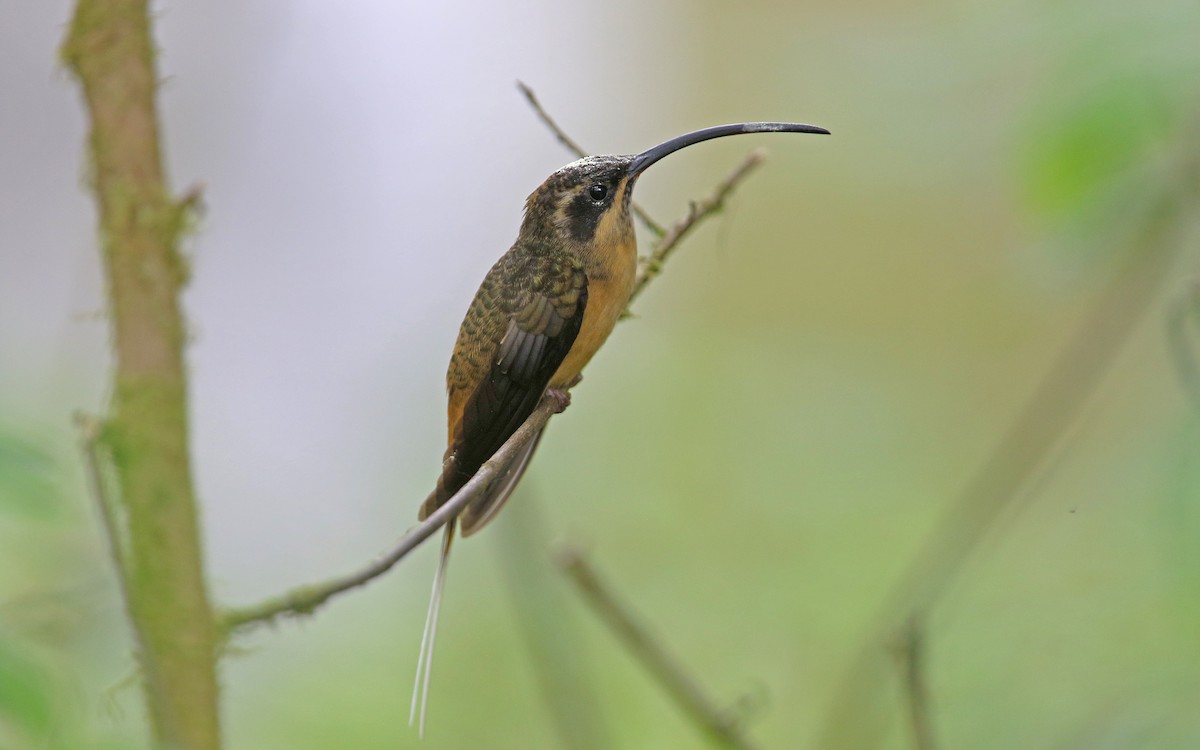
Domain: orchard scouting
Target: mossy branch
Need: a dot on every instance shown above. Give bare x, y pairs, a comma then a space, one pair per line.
110, 51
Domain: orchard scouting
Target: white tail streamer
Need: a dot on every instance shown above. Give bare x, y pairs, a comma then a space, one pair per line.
425, 658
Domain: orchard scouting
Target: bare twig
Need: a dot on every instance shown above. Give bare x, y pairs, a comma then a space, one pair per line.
909, 650
545, 117
89, 428
655, 228
697, 212
305, 599
110, 50
721, 726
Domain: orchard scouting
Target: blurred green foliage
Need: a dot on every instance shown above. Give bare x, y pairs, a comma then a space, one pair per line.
1089, 140
26, 713
1115, 106
27, 692
27, 481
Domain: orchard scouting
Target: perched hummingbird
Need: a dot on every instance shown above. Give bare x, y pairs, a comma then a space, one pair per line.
540, 314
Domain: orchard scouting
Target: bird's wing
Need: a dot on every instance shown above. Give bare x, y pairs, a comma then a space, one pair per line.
522, 323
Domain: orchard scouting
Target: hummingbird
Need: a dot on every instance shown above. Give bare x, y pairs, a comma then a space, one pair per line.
541, 313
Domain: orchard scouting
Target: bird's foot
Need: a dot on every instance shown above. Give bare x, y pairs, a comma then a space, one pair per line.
575, 381
561, 397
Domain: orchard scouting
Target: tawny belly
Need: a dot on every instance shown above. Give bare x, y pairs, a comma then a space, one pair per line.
606, 301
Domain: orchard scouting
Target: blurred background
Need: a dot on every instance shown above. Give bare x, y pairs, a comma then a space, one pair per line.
763, 464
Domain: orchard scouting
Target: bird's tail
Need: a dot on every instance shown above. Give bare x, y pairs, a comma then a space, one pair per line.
484, 507
480, 510
425, 659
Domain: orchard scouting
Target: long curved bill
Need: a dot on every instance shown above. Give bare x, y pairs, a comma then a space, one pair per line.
651, 155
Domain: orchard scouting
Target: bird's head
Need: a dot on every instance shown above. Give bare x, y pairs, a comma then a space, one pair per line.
586, 203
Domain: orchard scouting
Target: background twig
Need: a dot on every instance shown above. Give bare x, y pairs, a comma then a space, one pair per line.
665, 239
575, 148
697, 212
909, 650
719, 725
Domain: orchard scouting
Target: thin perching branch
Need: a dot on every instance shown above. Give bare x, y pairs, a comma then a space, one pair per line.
721, 726
305, 599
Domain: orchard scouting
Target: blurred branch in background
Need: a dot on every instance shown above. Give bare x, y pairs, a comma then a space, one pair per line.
549, 627
909, 650
304, 600
722, 726
1183, 343
110, 51
1081, 364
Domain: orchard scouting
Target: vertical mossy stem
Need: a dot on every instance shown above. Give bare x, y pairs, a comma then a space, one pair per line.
110, 50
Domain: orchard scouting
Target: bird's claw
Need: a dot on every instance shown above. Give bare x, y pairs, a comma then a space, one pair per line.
562, 399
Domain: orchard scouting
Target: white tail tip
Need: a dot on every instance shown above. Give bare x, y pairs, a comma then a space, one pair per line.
425, 658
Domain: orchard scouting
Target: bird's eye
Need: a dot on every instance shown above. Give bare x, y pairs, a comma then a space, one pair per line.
597, 192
